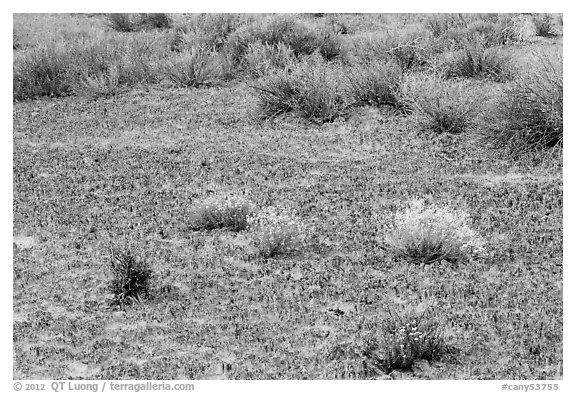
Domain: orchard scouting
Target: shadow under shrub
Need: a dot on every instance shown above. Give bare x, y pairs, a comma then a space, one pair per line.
529, 115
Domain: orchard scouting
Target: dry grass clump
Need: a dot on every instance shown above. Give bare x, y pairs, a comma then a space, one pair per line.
529, 115
410, 48
446, 106
127, 23
282, 29
263, 59
222, 212
44, 71
377, 84
197, 66
97, 67
277, 231
477, 60
424, 233
314, 91
453, 31
544, 25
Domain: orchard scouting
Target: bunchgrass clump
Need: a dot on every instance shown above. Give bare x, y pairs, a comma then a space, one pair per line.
476, 60
131, 277
446, 107
124, 23
544, 25
454, 31
44, 71
430, 233
377, 84
222, 212
302, 39
156, 21
277, 231
529, 115
313, 91
198, 66
263, 59
404, 341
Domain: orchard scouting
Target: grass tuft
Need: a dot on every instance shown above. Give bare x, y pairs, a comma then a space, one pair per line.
313, 91
377, 84
529, 115
193, 68
124, 23
477, 60
131, 277
446, 107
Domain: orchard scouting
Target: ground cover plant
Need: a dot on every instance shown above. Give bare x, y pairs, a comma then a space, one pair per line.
112, 150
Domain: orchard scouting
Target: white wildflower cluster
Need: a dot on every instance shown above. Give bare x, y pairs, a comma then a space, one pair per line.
434, 232
277, 231
223, 211
409, 340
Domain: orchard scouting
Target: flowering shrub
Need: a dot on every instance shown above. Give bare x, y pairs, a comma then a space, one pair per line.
277, 231
222, 211
432, 233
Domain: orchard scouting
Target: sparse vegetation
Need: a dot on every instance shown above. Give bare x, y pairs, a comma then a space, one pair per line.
111, 142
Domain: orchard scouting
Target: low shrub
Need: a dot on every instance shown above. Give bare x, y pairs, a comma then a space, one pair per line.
430, 233
277, 231
222, 212
131, 277
529, 115
377, 84
314, 91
